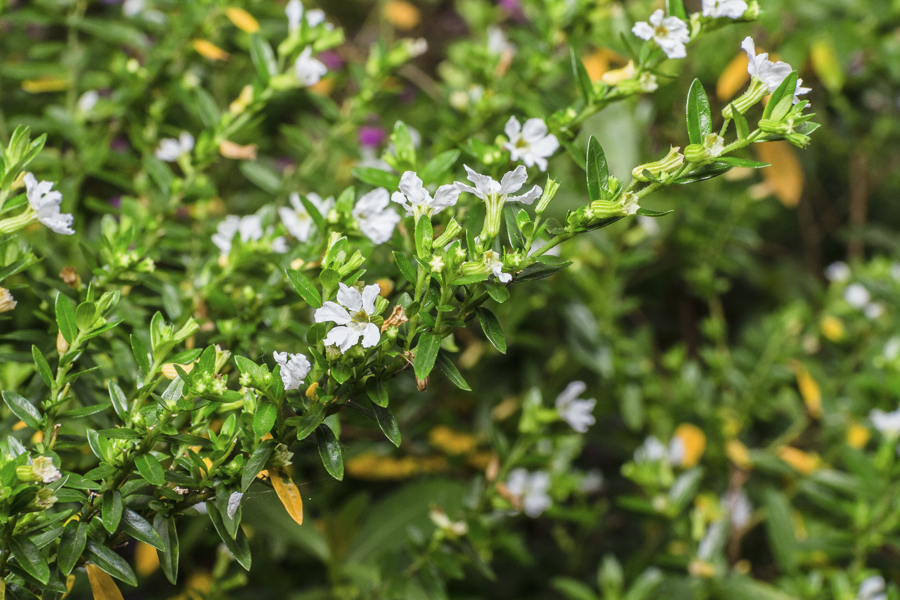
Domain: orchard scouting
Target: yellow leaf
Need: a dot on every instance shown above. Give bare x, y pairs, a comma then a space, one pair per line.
738, 454
694, 442
733, 78
19, 426
102, 584
832, 328
236, 151
44, 84
785, 177
596, 64
146, 560
804, 462
288, 494
451, 442
826, 64
858, 436
809, 390
323, 87
401, 14
209, 50
242, 19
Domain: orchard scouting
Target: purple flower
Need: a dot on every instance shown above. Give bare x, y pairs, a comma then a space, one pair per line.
371, 137
331, 59
407, 95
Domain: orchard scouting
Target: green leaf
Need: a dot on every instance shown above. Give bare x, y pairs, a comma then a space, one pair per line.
585, 87
111, 510
424, 237
43, 368
713, 169
264, 419
572, 589
699, 118
239, 547
406, 267
112, 563
150, 469
140, 529
676, 9
646, 212
29, 557
377, 177
645, 584
330, 452
544, 268
740, 123
388, 423
22, 408
742, 162
312, 419
491, 327
446, 365
780, 530
597, 171
119, 401
121, 433
141, 356
404, 149
516, 239
304, 287
438, 165
85, 315
377, 391
65, 318
426, 354
264, 177
263, 58
788, 86
256, 463
498, 292
168, 558
313, 211
71, 545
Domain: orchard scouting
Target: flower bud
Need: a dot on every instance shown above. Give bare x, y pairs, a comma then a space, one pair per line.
660, 169
7, 302
332, 353
62, 346
450, 233
756, 92
549, 193
26, 474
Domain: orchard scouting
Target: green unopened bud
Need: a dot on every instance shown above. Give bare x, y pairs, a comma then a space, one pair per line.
26, 475
605, 209
756, 92
660, 168
645, 83
381, 303
613, 183
354, 263
474, 268
332, 353
712, 146
753, 11
222, 357
549, 193
450, 233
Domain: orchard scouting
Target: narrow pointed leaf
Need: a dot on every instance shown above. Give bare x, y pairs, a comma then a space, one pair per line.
699, 117
239, 547
150, 469
304, 287
29, 557
22, 408
388, 423
491, 327
111, 510
111, 562
256, 462
168, 558
102, 585
330, 452
71, 545
65, 318
426, 354
446, 365
377, 391
140, 529
597, 171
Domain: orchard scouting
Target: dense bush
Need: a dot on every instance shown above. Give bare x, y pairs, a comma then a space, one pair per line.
493, 289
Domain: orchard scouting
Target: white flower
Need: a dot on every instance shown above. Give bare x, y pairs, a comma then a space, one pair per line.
369, 158
873, 310
417, 201
43, 469
652, 450
294, 11
759, 66
352, 313
297, 220
309, 70
493, 262
486, 186
7, 302
630, 203
895, 272
872, 588
131, 8
88, 101
171, 149
837, 271
671, 33
249, 228
733, 9
376, 220
888, 423
234, 503
739, 508
279, 244
649, 225
592, 482
573, 410
497, 43
892, 348
532, 144
416, 47
45, 203
532, 489
294, 369
857, 295
676, 451
799, 90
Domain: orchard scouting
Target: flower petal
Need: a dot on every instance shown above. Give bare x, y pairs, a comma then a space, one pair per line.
528, 197
371, 335
333, 313
369, 294
350, 298
534, 130
513, 180
513, 130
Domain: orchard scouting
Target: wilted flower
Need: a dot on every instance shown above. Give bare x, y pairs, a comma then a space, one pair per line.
671, 33
294, 369
857, 295
531, 489
573, 410
888, 423
376, 220
249, 227
352, 313
309, 70
46, 204
733, 9
530, 144
297, 220
7, 302
170, 149
45, 470
837, 271
417, 201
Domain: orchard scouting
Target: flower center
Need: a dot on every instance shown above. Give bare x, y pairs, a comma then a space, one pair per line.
521, 143
361, 317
